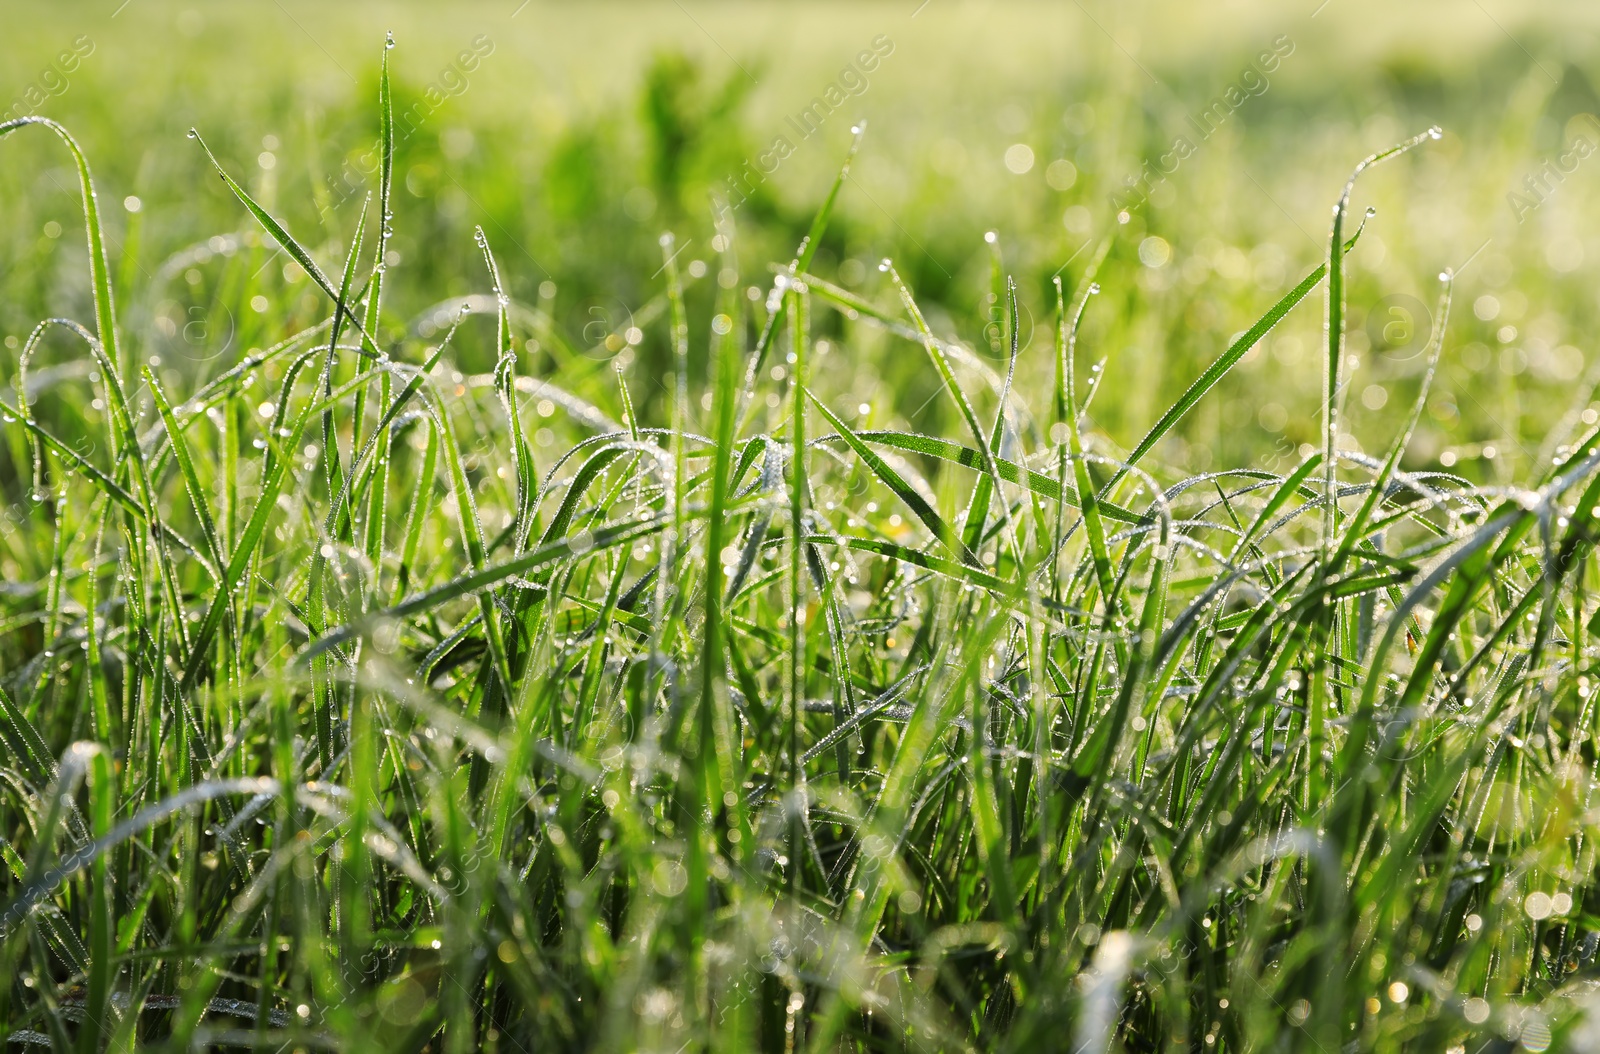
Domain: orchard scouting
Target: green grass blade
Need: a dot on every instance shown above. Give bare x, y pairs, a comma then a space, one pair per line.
1226, 361
907, 494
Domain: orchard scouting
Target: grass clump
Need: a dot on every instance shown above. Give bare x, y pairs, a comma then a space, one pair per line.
335, 715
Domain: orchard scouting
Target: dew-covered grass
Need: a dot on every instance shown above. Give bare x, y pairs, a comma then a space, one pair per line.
351, 699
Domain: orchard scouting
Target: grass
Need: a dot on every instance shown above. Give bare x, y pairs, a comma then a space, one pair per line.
338, 712
564, 162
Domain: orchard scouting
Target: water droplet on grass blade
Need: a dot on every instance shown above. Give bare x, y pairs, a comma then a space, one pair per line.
388, 40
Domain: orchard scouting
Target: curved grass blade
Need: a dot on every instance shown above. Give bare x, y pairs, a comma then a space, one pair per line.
1225, 362
1010, 471
275, 470
284, 239
191, 479
493, 574
505, 386
25, 742
42, 885
1355, 530
1067, 394
1333, 331
942, 364
904, 491
797, 267
891, 695
99, 272
104, 483
978, 508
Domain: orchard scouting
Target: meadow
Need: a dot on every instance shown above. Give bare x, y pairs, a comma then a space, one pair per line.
841, 527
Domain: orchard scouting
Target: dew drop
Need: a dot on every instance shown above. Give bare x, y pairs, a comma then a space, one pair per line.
388, 40
1435, 132
1094, 288
193, 134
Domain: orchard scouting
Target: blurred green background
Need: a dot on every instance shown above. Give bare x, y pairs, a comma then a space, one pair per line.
575, 134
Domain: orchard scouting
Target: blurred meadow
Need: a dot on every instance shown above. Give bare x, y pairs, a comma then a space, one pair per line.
583, 131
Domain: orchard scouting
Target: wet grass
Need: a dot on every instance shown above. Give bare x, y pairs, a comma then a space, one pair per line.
343, 706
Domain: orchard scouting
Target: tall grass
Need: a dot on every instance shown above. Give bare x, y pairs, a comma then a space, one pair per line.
334, 715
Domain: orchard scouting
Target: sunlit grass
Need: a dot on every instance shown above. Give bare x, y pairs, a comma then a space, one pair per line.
352, 699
